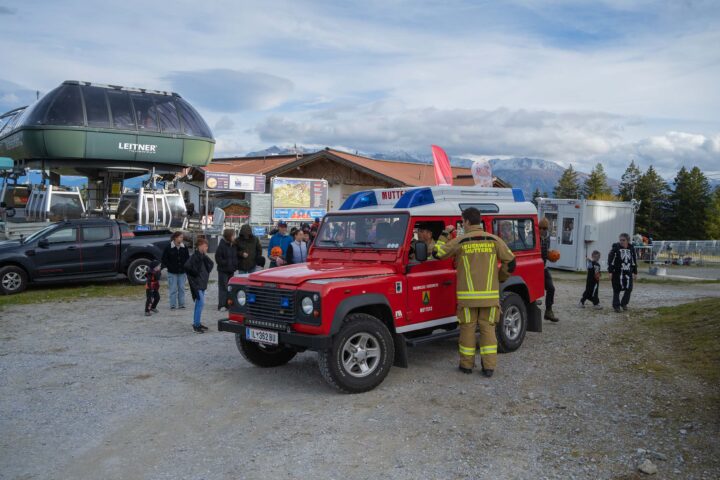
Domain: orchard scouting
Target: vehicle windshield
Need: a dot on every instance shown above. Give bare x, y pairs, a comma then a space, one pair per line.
384, 231
38, 234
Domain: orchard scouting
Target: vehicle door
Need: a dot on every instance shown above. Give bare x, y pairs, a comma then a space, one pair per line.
430, 284
99, 249
58, 253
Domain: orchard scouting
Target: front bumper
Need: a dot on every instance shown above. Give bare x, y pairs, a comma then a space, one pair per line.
310, 342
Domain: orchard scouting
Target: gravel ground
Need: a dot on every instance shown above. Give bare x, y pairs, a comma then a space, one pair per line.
92, 389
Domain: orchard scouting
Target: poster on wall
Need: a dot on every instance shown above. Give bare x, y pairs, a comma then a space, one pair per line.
260, 208
232, 182
299, 199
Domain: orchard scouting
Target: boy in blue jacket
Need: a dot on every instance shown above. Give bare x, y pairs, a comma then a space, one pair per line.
279, 239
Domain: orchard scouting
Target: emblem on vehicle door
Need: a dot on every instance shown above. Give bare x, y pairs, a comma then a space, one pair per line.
426, 297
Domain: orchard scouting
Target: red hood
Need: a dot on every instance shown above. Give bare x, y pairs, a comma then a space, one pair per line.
302, 272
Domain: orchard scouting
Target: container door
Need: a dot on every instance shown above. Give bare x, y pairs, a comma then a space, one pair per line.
567, 240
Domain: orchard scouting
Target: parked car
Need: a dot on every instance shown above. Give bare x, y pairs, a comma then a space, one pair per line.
79, 250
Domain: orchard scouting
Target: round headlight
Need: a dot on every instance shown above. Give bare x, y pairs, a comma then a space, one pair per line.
307, 305
241, 298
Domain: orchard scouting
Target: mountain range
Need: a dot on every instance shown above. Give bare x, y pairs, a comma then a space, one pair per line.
521, 172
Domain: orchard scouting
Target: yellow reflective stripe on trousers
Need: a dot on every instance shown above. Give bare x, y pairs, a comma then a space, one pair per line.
488, 350
466, 350
492, 266
468, 277
466, 315
491, 318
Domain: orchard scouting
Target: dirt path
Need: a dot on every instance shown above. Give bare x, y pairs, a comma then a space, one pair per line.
92, 389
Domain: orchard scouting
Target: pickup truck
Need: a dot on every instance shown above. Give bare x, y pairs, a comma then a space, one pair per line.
79, 250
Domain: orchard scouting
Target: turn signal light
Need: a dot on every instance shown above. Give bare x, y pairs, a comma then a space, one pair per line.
229, 301
316, 314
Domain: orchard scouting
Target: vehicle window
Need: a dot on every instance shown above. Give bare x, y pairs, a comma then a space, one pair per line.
63, 235
552, 221
193, 124
483, 207
518, 234
127, 209
167, 113
363, 231
63, 207
121, 110
145, 112
97, 234
96, 107
428, 232
177, 210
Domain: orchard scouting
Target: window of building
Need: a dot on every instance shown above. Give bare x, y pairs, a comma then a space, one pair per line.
193, 124
121, 110
167, 114
517, 233
96, 107
145, 112
67, 108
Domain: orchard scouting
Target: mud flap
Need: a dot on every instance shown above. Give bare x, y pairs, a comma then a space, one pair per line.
401, 358
534, 318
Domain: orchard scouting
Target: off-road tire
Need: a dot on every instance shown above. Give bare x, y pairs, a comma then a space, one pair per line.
263, 355
135, 268
330, 361
512, 325
12, 280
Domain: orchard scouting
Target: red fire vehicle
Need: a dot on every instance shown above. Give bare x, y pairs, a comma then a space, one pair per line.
367, 291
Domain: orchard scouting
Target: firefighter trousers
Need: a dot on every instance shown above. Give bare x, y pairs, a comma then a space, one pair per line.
469, 320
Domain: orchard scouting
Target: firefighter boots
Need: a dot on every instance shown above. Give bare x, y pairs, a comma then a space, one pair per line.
549, 315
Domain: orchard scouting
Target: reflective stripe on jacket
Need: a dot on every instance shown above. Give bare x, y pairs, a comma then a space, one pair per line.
478, 277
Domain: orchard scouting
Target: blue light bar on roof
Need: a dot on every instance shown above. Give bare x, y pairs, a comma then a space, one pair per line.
416, 198
362, 199
518, 195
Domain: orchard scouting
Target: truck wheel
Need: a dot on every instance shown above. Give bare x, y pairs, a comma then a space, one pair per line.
138, 270
12, 280
263, 355
511, 328
361, 355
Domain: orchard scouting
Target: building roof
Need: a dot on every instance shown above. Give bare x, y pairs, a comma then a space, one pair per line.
394, 172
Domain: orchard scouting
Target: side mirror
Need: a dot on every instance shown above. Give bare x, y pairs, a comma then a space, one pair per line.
421, 253
44, 243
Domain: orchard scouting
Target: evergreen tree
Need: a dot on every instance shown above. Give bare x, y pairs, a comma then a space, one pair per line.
536, 195
652, 192
596, 186
545, 195
567, 186
712, 224
629, 181
689, 204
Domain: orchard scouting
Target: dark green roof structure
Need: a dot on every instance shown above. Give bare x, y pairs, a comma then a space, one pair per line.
81, 126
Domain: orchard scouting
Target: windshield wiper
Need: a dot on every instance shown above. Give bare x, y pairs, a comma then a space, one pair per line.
363, 243
332, 242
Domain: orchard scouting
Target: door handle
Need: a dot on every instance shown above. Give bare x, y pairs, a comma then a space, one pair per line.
447, 283
109, 244
72, 247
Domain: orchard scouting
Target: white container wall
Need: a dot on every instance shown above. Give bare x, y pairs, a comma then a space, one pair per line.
577, 227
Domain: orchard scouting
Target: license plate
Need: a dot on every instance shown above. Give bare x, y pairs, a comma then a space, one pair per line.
261, 336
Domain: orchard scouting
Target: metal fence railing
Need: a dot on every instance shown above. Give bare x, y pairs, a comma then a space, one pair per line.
682, 252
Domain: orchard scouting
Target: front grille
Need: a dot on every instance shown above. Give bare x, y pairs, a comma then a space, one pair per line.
267, 304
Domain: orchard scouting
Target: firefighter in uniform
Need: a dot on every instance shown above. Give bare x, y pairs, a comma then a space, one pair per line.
478, 287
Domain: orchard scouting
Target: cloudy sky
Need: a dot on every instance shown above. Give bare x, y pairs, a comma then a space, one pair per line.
570, 81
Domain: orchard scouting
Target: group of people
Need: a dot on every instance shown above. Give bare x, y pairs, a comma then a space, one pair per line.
242, 254
621, 264
287, 248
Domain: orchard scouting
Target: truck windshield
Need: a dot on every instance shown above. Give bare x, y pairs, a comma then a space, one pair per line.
385, 231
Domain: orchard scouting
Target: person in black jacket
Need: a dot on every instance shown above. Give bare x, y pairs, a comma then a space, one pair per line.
173, 258
227, 264
622, 264
152, 288
544, 226
249, 250
198, 268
